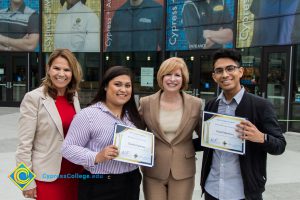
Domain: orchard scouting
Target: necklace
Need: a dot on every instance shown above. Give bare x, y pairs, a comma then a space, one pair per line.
115, 112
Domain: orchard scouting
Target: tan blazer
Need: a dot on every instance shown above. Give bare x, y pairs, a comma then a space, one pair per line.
179, 155
41, 135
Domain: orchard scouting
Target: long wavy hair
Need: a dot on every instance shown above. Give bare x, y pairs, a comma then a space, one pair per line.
73, 86
130, 106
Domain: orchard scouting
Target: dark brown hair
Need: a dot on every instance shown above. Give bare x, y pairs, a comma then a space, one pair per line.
233, 54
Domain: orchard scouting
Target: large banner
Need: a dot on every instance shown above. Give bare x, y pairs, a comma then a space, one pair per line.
265, 22
133, 25
19, 25
71, 24
197, 24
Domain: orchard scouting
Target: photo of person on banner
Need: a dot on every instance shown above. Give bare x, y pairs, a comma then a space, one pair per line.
273, 21
207, 24
77, 27
19, 27
136, 26
296, 29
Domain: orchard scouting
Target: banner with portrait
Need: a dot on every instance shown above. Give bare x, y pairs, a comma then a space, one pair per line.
71, 24
133, 25
197, 24
19, 25
263, 22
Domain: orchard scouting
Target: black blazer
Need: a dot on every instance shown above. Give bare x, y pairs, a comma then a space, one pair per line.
261, 113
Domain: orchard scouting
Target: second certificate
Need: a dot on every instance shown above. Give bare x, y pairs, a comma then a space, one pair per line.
135, 146
219, 132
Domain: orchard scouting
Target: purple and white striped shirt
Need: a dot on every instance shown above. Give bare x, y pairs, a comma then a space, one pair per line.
92, 130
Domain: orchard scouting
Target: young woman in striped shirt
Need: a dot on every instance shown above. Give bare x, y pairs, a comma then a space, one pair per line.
91, 134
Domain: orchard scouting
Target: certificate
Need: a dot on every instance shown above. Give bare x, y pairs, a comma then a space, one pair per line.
219, 132
135, 146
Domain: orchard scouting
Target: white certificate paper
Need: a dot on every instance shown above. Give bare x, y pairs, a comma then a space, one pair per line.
135, 146
219, 132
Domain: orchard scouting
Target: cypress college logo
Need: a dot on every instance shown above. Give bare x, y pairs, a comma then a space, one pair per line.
22, 176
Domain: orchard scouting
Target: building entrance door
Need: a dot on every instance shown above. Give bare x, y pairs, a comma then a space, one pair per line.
266, 73
200, 68
275, 80
13, 78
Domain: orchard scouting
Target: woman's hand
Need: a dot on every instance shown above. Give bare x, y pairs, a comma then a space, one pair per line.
108, 153
30, 193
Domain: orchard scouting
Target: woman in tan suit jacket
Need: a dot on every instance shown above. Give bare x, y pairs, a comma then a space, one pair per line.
46, 113
172, 115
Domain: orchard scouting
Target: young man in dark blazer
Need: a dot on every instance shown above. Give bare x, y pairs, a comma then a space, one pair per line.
227, 175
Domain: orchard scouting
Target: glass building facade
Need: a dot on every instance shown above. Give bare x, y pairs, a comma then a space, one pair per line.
141, 34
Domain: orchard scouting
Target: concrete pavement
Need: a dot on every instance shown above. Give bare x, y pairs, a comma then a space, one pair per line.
283, 171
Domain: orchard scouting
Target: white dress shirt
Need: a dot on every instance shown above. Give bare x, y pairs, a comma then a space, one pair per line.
225, 181
77, 29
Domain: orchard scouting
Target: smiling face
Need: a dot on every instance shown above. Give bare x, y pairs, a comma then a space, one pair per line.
60, 74
118, 91
172, 82
228, 81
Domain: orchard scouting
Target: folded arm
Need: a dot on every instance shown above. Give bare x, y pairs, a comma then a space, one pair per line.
221, 36
27, 43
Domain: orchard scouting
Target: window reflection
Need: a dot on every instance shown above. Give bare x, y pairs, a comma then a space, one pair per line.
295, 93
144, 66
251, 63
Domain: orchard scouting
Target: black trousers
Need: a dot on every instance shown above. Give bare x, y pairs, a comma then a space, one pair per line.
207, 196
110, 186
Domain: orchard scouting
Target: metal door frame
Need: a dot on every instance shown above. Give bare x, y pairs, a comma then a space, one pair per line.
9, 56
264, 73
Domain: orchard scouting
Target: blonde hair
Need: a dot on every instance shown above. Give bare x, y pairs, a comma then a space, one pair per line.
73, 86
170, 65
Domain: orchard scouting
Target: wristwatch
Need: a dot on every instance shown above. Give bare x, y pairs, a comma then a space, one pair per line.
266, 137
